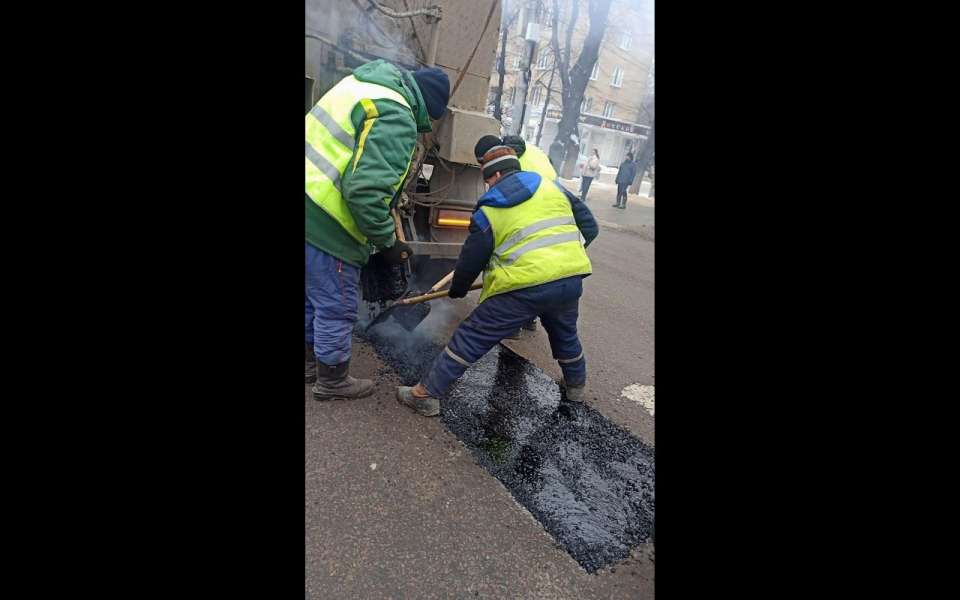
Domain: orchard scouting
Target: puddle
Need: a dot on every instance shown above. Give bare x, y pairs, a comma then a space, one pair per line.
589, 482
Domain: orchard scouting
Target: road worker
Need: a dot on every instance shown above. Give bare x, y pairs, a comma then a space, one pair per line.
360, 139
525, 236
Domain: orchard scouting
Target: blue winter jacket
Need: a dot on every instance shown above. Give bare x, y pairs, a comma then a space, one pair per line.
515, 188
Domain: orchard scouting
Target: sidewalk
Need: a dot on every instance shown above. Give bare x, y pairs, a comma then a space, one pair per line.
637, 218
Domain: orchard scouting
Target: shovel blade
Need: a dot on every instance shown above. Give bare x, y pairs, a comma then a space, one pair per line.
407, 315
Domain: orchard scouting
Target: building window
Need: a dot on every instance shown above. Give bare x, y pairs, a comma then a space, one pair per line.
536, 96
543, 61
617, 80
596, 71
608, 109
626, 41
586, 104
513, 94
516, 63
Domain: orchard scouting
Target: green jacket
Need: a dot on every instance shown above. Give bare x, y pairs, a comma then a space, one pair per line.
386, 156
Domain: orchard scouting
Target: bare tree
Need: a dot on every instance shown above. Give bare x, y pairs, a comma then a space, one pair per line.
501, 63
574, 79
644, 160
646, 113
555, 48
546, 104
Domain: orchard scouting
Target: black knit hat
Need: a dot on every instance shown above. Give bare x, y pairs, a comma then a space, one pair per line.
484, 144
499, 158
516, 142
435, 88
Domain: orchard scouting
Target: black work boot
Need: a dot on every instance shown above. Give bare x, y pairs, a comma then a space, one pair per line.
309, 364
335, 383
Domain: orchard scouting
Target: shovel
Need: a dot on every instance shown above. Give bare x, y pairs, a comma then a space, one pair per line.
411, 311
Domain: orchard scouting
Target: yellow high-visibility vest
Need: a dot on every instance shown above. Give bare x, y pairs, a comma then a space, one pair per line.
331, 141
535, 242
535, 160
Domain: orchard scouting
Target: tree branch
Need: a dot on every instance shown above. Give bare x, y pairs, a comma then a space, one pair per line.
565, 69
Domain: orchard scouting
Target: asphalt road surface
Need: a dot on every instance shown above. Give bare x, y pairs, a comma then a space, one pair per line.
397, 507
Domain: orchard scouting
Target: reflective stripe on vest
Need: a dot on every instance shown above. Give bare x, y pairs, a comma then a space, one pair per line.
531, 229
332, 141
536, 241
323, 165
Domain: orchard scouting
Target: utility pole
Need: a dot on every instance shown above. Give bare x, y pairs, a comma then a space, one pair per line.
520, 102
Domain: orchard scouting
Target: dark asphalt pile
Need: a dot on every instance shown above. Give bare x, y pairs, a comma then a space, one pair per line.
409, 354
589, 482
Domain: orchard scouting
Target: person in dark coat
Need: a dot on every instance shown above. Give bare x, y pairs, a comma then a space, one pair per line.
625, 176
556, 154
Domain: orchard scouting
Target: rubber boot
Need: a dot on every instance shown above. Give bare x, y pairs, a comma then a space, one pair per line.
309, 364
335, 383
574, 393
427, 406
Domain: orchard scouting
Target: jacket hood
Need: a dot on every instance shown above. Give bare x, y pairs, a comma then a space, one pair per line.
388, 75
515, 188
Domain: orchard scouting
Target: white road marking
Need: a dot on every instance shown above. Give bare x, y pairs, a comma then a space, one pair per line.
641, 394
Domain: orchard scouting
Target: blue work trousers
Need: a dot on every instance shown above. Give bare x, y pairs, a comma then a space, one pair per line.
331, 293
557, 305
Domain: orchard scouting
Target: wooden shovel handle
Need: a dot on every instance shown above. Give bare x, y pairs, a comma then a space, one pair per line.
446, 279
434, 295
399, 228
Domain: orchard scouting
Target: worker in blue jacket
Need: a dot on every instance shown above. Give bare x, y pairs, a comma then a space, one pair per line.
532, 159
525, 236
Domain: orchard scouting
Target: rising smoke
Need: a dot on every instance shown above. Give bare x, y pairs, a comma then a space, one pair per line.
344, 23
410, 353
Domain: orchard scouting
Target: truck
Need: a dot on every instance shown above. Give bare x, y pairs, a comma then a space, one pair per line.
432, 208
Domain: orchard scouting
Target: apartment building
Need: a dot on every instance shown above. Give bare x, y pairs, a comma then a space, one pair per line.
612, 116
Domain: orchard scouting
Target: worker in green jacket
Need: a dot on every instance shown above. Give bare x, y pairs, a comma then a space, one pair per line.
360, 139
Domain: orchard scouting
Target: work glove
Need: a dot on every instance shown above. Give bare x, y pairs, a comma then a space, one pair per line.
397, 253
460, 284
